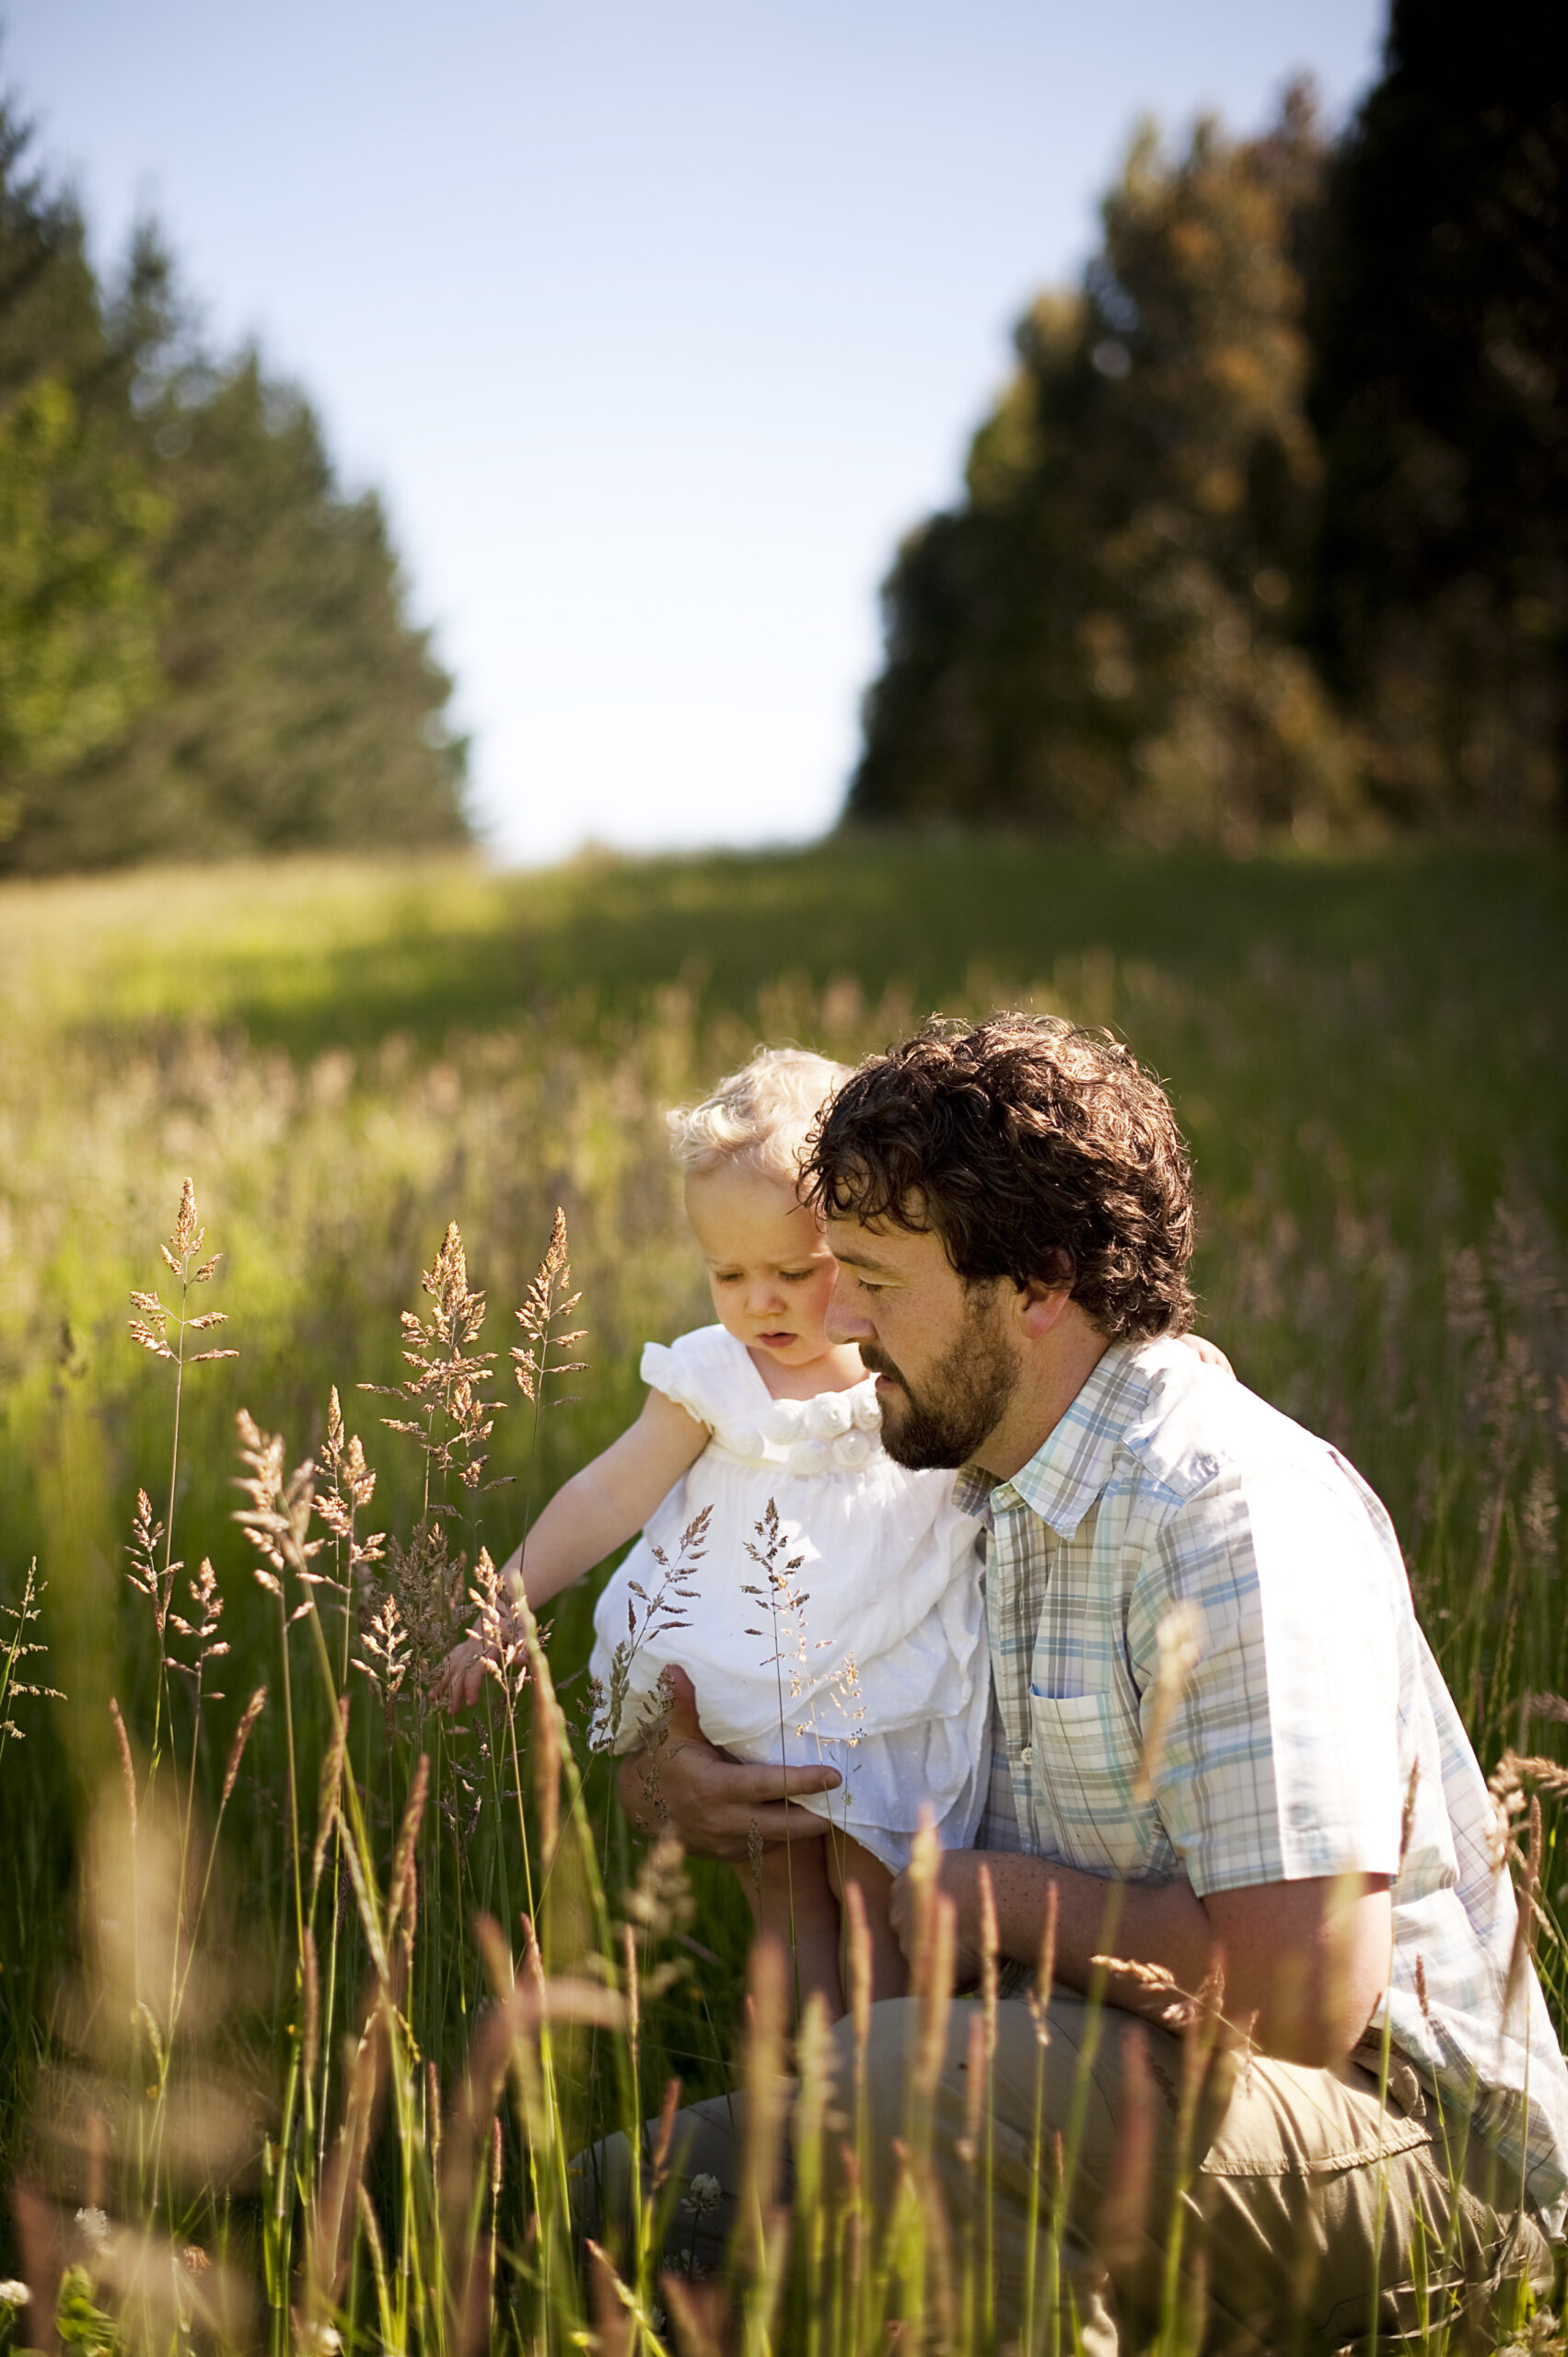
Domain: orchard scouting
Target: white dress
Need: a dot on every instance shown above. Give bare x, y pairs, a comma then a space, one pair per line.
864, 1647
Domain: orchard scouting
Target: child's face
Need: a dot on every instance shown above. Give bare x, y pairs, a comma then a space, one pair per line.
769, 1270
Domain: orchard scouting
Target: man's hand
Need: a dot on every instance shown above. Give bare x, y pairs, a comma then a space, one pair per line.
715, 1805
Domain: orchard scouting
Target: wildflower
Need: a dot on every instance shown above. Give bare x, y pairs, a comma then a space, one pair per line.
1542, 2337
702, 2195
95, 2227
13, 2294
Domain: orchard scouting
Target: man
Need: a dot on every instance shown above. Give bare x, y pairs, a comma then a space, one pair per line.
1212, 1699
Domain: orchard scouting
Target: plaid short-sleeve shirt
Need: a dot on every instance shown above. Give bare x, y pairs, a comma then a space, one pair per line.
1311, 1704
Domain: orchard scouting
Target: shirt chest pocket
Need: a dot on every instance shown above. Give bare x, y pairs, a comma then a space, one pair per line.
1084, 1757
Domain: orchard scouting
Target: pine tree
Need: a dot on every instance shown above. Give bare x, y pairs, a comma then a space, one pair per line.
204, 643
1099, 640
1441, 395
78, 523
300, 707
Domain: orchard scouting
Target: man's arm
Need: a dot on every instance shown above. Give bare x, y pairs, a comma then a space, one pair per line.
1310, 1958
715, 1805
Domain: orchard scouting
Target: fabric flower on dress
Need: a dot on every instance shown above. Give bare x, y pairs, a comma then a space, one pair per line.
829, 1416
784, 1421
852, 1452
807, 1457
743, 1440
867, 1408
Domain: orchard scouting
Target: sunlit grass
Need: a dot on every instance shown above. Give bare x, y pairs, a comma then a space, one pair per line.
1371, 1059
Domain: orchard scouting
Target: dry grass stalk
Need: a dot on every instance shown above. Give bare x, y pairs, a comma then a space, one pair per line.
146, 1576
767, 2105
549, 1299
127, 1766
661, 1615
1123, 2225
698, 2316
330, 1792
18, 1648
1177, 1641
614, 2307
277, 1521
331, 2219
150, 1327
452, 1415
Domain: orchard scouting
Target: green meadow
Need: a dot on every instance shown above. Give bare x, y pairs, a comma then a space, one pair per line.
1369, 1057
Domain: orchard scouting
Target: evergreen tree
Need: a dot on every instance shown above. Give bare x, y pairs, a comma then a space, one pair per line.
1441, 394
1099, 640
78, 523
300, 708
203, 647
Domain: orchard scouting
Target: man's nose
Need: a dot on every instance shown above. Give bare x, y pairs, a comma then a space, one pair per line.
842, 1322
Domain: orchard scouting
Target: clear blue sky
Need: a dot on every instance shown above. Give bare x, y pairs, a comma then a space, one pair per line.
655, 321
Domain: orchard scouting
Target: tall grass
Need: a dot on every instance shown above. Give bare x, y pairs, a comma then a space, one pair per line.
375, 1978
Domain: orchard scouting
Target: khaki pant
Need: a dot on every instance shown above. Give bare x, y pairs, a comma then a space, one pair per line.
1305, 2201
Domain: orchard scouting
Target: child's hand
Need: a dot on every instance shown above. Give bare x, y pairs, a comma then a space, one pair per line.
1210, 1352
461, 1675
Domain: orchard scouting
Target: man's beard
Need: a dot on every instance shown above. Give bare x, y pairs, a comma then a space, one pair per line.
962, 1400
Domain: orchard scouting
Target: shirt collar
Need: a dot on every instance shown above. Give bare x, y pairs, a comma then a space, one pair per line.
1066, 1474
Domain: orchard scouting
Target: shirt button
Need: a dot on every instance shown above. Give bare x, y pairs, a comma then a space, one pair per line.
1027, 1757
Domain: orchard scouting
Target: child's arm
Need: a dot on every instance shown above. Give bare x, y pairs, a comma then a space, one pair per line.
588, 1518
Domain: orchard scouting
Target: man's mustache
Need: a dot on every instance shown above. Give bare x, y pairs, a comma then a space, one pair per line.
877, 1362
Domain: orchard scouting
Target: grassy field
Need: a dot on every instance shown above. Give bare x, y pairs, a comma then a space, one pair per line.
1371, 1061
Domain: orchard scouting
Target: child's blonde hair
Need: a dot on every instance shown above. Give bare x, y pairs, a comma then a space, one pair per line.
759, 1116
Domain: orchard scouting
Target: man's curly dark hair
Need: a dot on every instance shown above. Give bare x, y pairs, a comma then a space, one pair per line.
1035, 1150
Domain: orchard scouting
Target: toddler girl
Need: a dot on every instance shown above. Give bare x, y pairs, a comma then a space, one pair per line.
825, 1603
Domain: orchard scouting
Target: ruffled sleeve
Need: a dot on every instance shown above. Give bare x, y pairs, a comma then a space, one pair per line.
709, 1373
662, 1371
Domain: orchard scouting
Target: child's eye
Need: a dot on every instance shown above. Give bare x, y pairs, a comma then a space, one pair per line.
796, 1276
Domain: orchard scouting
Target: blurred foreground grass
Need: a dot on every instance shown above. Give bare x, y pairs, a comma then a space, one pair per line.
1370, 1059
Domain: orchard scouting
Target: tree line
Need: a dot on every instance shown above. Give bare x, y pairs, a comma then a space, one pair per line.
1268, 533
205, 642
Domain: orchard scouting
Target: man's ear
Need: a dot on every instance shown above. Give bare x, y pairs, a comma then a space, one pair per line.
1038, 1306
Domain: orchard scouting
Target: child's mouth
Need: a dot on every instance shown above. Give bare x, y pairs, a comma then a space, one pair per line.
775, 1342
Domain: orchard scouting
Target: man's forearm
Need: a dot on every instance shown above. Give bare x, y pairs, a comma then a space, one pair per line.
1305, 1961
1161, 1923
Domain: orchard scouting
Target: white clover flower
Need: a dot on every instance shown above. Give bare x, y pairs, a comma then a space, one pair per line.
704, 2194
95, 2227
13, 2294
